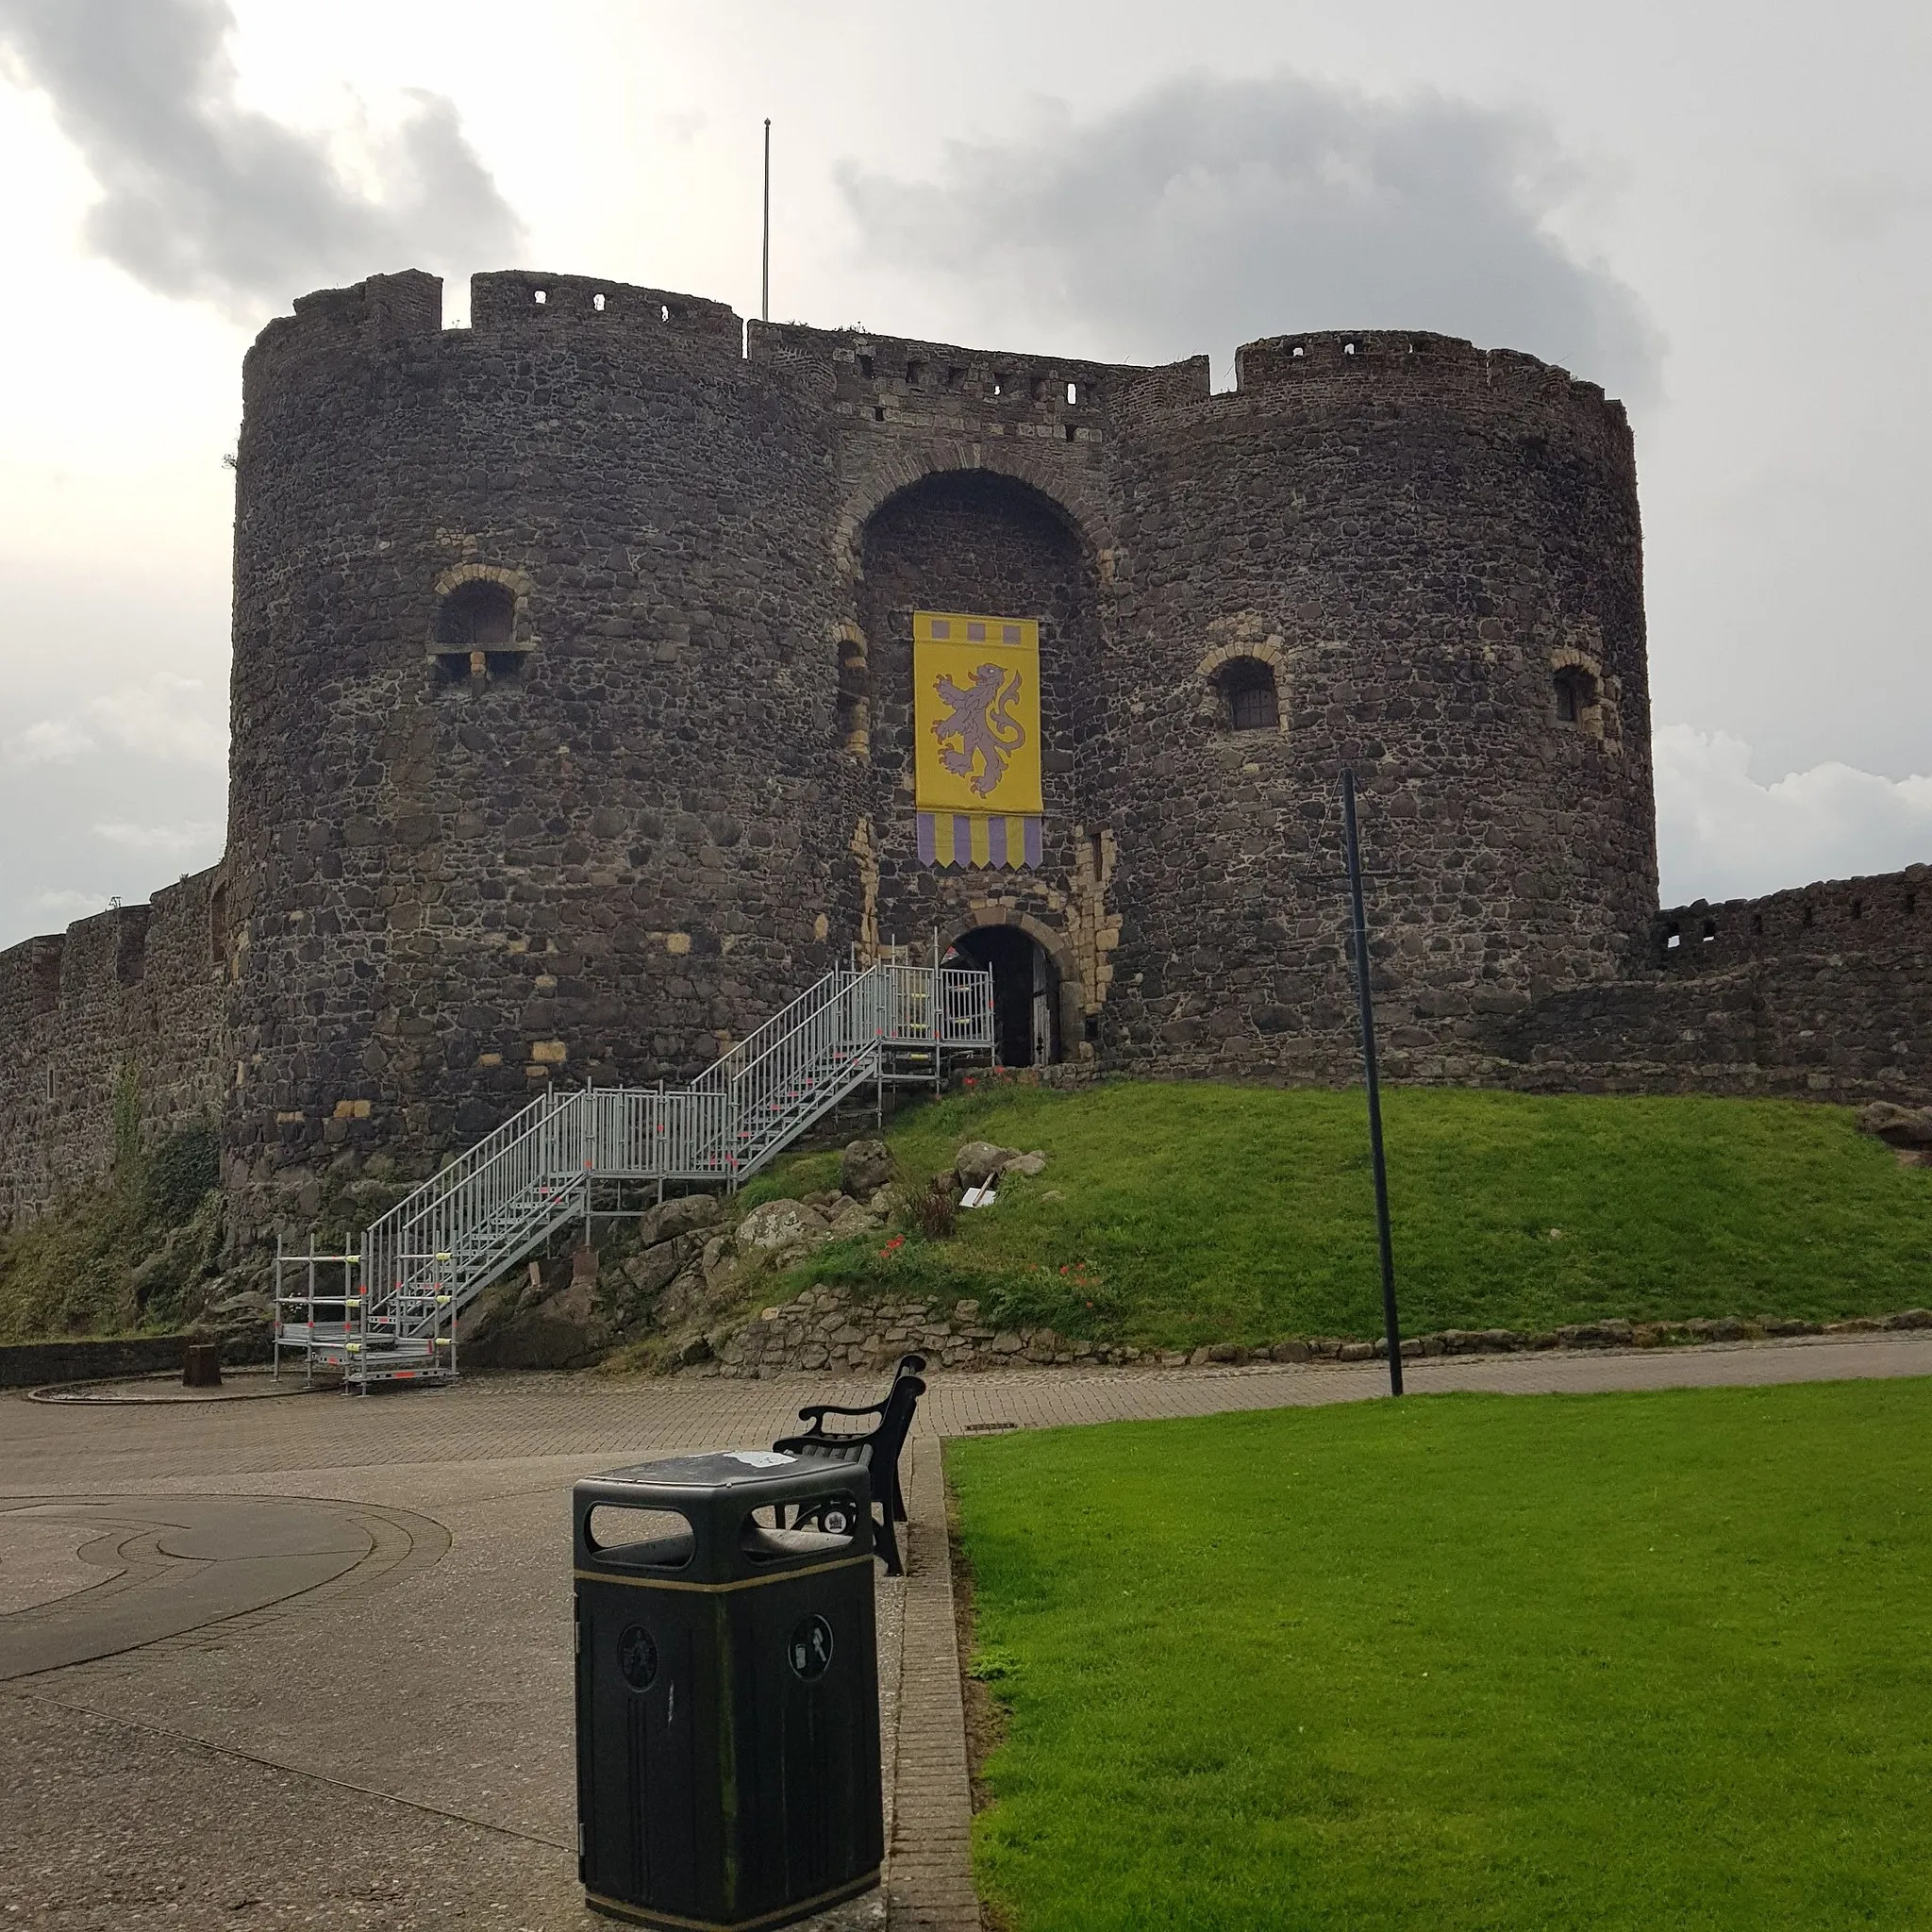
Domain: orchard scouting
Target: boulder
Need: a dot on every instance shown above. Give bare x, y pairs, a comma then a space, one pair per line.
533, 1289
681, 1215
1898, 1127
850, 1218
242, 1325
687, 1295
565, 1331
865, 1167
777, 1227
977, 1162
652, 1270
1032, 1164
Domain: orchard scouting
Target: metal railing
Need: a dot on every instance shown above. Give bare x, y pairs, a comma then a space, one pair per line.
423, 1262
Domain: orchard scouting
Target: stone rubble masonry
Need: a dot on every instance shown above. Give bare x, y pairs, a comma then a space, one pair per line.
134, 990
832, 1332
825, 1329
678, 785
1821, 993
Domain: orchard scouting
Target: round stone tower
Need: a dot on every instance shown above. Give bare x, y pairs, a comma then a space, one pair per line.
529, 620
1418, 558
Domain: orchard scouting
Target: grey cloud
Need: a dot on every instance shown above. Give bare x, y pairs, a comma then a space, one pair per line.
206, 198
106, 804
1212, 211
1723, 834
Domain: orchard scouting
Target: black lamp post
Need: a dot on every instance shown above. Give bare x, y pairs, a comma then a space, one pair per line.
1367, 1008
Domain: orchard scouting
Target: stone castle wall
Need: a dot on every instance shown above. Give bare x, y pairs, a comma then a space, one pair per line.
1822, 992
1415, 537
675, 781
684, 784
132, 994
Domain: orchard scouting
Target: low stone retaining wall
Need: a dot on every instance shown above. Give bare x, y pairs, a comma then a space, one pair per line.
84, 1359
825, 1329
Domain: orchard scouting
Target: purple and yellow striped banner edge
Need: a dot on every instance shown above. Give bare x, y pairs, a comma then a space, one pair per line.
972, 837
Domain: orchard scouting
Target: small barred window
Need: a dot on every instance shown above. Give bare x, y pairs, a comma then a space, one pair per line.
1252, 702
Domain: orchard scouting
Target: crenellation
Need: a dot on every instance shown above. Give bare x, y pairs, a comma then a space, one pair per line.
381, 315
526, 298
1416, 366
1889, 912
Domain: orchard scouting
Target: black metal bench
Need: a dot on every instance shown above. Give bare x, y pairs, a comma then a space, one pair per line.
875, 1450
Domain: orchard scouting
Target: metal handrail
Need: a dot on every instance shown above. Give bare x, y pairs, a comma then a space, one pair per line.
423, 1261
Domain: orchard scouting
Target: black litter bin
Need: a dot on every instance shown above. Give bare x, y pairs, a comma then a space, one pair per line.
727, 1691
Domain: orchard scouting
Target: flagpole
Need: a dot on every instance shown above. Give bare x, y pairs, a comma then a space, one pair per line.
765, 293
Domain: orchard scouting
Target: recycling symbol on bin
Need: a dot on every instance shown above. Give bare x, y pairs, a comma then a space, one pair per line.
637, 1658
810, 1649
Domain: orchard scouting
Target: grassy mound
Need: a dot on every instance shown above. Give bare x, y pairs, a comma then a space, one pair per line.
1462, 1661
1175, 1214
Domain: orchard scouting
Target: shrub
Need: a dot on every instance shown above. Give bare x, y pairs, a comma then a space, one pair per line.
933, 1210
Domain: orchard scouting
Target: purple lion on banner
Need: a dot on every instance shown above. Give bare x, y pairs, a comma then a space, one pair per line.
982, 720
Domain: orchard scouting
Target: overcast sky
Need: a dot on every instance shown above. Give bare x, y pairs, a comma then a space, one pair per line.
1721, 211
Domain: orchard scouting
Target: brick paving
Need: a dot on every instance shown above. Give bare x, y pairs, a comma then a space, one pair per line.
466, 1745
929, 1875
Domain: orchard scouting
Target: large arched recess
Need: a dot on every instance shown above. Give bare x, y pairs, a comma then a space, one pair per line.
978, 541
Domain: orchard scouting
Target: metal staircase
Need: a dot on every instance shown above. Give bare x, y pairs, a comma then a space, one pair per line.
387, 1310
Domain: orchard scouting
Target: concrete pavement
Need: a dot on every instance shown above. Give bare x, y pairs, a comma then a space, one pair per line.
307, 1662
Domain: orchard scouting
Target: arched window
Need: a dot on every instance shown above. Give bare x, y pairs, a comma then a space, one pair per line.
1249, 694
1575, 694
475, 631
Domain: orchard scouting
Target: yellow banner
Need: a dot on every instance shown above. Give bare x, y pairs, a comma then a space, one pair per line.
975, 685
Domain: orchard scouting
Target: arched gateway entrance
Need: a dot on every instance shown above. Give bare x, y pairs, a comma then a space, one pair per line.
1026, 992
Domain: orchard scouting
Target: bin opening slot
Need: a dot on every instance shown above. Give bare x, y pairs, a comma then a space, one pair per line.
825, 1527
632, 1538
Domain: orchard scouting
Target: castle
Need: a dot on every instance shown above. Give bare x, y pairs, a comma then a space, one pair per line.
573, 733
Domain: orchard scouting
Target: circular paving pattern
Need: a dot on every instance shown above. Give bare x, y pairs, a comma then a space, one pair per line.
84, 1577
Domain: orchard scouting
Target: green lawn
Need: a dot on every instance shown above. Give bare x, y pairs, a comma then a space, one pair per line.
1645, 1662
1214, 1213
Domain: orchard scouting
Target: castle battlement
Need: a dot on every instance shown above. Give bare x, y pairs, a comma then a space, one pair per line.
883, 377
1417, 358
526, 299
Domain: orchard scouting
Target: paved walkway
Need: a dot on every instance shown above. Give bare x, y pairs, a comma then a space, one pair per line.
306, 1663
